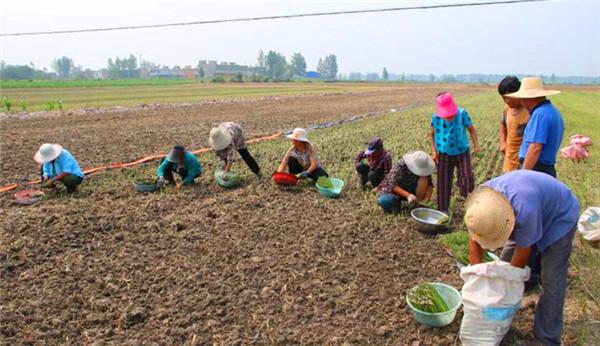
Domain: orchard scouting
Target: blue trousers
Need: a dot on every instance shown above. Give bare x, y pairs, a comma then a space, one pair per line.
390, 203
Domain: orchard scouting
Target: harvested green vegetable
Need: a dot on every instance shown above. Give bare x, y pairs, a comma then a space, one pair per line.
458, 243
426, 298
443, 220
325, 182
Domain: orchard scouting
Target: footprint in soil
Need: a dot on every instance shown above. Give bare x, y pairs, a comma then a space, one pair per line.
134, 316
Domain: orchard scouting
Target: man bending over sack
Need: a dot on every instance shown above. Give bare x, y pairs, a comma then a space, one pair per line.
182, 162
58, 166
530, 208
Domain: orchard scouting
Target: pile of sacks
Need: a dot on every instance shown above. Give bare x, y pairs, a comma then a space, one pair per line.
578, 149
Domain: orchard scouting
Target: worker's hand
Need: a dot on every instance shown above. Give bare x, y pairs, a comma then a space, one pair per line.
412, 199
179, 186
477, 149
48, 183
160, 182
302, 175
375, 190
435, 156
502, 148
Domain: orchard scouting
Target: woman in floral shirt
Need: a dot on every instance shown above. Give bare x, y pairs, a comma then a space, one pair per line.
225, 140
409, 180
301, 159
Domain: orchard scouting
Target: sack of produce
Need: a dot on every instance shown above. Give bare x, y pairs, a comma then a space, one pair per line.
491, 296
574, 152
581, 140
589, 224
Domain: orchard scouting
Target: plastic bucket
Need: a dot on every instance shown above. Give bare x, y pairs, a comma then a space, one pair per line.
285, 179
145, 187
227, 180
335, 191
452, 298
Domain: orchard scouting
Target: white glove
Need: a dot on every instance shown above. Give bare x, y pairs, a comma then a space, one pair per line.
412, 199
160, 182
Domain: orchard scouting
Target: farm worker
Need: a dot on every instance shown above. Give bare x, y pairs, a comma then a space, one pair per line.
530, 208
182, 162
301, 159
409, 180
58, 165
544, 132
450, 148
512, 126
228, 138
379, 163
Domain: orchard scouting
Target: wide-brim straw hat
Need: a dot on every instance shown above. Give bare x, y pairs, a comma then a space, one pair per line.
489, 217
219, 138
299, 134
419, 163
47, 152
532, 87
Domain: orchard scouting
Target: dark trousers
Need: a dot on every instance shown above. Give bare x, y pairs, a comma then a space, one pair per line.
466, 180
70, 181
183, 173
542, 168
367, 175
250, 161
295, 167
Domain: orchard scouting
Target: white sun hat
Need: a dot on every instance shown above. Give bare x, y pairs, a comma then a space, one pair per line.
489, 217
419, 162
299, 134
47, 152
532, 87
219, 137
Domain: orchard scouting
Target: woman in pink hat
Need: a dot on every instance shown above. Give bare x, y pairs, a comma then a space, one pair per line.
450, 148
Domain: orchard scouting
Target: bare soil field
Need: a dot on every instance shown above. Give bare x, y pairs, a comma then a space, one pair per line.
105, 137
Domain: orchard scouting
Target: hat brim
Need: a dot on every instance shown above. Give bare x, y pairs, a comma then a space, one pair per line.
499, 205
421, 172
39, 158
299, 139
223, 141
532, 93
369, 151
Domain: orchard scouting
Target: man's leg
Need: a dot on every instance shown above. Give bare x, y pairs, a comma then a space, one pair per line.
250, 161
465, 178
71, 182
375, 178
390, 203
548, 322
363, 173
444, 181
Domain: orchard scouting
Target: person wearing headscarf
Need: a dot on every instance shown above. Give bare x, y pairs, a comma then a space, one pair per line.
180, 161
58, 166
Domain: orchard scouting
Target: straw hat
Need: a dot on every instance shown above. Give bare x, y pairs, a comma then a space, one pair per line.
532, 87
47, 152
419, 163
489, 217
219, 138
299, 134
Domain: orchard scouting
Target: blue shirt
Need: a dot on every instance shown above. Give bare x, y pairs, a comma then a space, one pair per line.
64, 163
190, 163
545, 209
450, 137
545, 127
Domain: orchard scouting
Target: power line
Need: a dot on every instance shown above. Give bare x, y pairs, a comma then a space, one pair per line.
288, 16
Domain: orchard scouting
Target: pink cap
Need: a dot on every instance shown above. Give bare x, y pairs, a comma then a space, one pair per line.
445, 106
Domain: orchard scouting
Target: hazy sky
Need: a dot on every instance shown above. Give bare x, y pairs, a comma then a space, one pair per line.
559, 37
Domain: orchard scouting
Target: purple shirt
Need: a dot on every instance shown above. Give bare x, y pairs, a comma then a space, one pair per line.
545, 209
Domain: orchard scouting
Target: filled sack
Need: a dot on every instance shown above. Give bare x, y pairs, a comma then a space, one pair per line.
581, 140
491, 297
589, 224
574, 152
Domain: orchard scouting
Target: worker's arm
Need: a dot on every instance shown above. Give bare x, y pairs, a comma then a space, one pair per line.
474, 138
434, 153
283, 165
60, 176
533, 154
313, 165
520, 256
397, 190
228, 166
503, 137
475, 252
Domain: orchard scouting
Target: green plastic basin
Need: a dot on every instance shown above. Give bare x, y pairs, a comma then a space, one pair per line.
452, 298
335, 191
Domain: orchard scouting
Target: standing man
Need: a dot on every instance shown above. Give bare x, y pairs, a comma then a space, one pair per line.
531, 209
379, 163
513, 124
544, 132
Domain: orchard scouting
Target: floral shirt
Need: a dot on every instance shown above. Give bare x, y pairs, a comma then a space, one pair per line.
381, 163
238, 142
303, 158
400, 176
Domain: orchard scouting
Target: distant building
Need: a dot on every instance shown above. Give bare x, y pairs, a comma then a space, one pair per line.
312, 74
226, 70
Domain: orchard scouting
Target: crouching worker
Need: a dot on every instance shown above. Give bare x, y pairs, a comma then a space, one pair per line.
225, 140
301, 159
379, 163
529, 208
182, 162
58, 166
409, 181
